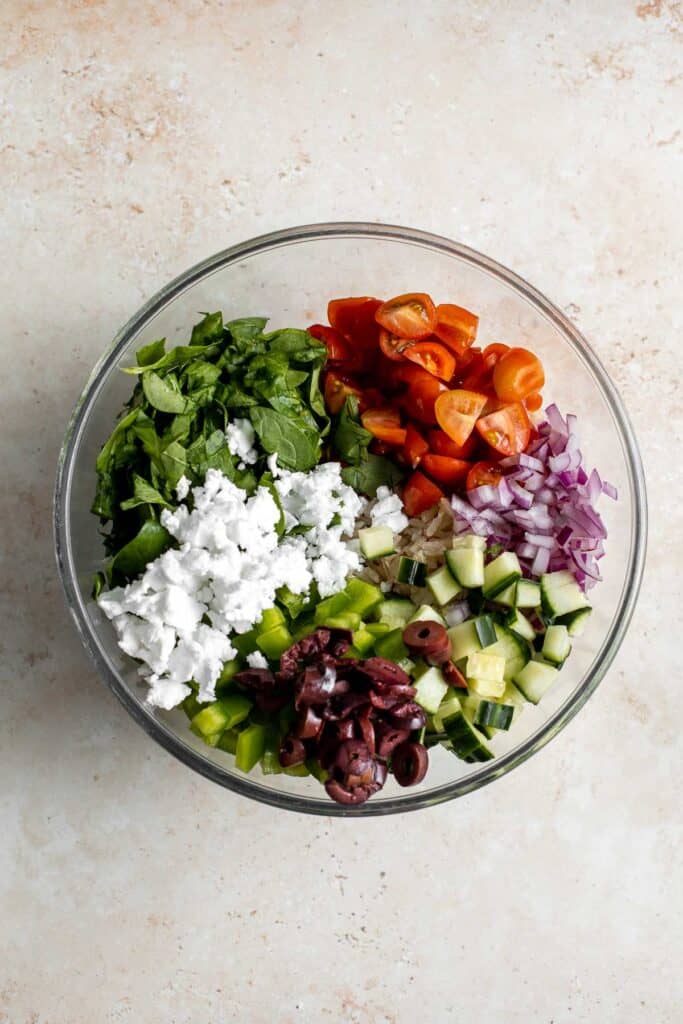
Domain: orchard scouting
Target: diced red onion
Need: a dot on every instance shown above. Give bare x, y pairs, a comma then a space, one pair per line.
540, 540
541, 562
609, 490
457, 613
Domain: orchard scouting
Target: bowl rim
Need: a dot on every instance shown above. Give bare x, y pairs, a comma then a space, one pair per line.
165, 736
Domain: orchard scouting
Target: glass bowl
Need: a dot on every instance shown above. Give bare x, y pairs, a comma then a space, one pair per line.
289, 277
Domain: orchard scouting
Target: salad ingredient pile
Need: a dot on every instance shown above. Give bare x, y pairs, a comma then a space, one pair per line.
344, 548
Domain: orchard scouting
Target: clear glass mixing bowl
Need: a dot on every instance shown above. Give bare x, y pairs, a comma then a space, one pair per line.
289, 277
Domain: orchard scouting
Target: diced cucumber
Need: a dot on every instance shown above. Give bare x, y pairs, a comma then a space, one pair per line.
528, 594
250, 746
513, 696
430, 688
442, 585
377, 541
481, 665
494, 716
363, 642
271, 618
275, 642
391, 645
412, 572
425, 613
508, 596
344, 620
575, 621
466, 560
333, 605
465, 739
561, 594
407, 664
395, 611
500, 573
473, 635
519, 623
450, 705
535, 679
512, 647
486, 687
556, 645
363, 596
227, 741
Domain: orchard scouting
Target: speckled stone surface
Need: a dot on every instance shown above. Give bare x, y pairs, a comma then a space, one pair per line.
138, 137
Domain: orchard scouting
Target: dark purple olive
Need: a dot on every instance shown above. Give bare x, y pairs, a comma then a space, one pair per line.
354, 764
308, 724
388, 738
386, 671
408, 716
316, 686
429, 640
453, 676
350, 704
292, 752
341, 795
409, 763
366, 729
397, 690
380, 776
384, 702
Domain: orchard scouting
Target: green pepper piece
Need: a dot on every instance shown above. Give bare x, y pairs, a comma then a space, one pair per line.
250, 746
391, 646
228, 673
363, 597
363, 641
271, 619
275, 642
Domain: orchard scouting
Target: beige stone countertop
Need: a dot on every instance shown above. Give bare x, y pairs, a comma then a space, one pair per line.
137, 138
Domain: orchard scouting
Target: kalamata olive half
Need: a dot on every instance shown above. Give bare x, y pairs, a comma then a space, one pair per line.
308, 724
388, 738
409, 763
292, 752
428, 639
354, 764
342, 795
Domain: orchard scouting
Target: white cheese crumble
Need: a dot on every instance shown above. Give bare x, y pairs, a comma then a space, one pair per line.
388, 510
257, 660
240, 436
182, 488
177, 617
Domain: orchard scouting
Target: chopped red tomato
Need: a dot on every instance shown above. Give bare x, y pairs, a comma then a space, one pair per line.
492, 353
518, 373
392, 346
336, 391
456, 327
420, 493
478, 376
355, 318
423, 391
442, 444
534, 401
408, 316
385, 425
483, 473
415, 446
338, 348
507, 430
432, 357
457, 412
444, 469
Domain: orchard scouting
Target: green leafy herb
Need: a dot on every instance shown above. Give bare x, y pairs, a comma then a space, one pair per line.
375, 472
351, 439
151, 353
297, 445
150, 542
208, 330
143, 494
164, 394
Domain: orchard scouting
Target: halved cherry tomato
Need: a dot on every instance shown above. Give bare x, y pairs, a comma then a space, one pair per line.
457, 412
445, 470
507, 430
517, 374
492, 353
432, 357
442, 444
355, 318
338, 348
336, 391
419, 494
483, 473
380, 447
534, 401
456, 327
408, 316
415, 446
392, 346
423, 391
385, 425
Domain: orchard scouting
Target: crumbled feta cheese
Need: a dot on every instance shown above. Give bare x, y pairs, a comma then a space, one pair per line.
257, 660
240, 436
178, 616
273, 467
182, 488
388, 510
